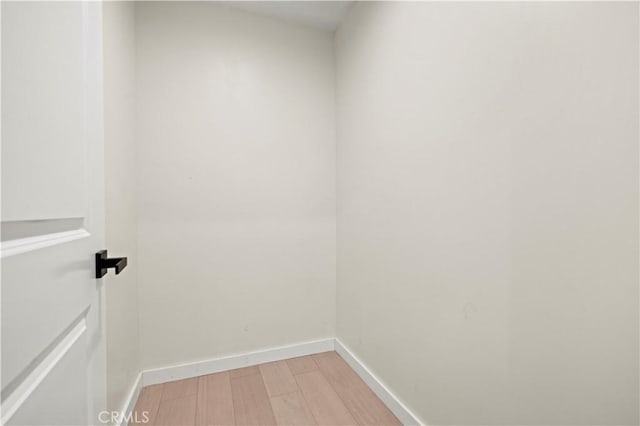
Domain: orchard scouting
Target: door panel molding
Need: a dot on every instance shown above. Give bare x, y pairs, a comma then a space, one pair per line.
31, 382
18, 229
24, 245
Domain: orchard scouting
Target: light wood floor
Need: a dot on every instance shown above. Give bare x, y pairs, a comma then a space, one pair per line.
311, 390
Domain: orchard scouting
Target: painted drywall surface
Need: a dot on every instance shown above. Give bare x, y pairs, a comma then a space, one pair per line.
120, 168
235, 116
488, 208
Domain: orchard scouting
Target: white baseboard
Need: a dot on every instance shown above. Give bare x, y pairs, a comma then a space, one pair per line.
210, 366
130, 401
400, 410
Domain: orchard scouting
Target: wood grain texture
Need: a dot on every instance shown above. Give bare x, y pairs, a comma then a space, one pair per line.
177, 412
214, 402
319, 389
325, 404
277, 378
245, 371
149, 402
303, 364
251, 405
291, 409
180, 388
363, 404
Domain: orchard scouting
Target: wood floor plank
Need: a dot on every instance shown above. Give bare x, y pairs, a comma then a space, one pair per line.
325, 404
302, 364
180, 388
251, 405
214, 403
291, 409
363, 404
148, 402
177, 412
244, 371
277, 378
319, 389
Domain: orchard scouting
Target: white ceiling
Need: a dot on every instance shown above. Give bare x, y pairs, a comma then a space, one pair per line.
326, 15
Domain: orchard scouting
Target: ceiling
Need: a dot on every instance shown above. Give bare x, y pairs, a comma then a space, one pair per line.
325, 15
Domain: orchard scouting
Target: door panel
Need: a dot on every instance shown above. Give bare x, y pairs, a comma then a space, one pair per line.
53, 361
50, 305
43, 64
60, 406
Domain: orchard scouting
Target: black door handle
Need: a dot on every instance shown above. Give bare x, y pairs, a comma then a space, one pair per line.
103, 263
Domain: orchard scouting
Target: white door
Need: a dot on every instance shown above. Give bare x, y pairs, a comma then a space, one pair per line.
53, 354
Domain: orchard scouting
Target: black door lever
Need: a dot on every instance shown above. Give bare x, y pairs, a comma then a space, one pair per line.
103, 263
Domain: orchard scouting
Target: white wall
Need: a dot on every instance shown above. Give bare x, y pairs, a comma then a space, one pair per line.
120, 168
488, 208
236, 172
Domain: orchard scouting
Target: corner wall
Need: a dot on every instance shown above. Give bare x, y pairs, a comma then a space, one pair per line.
488, 208
236, 182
